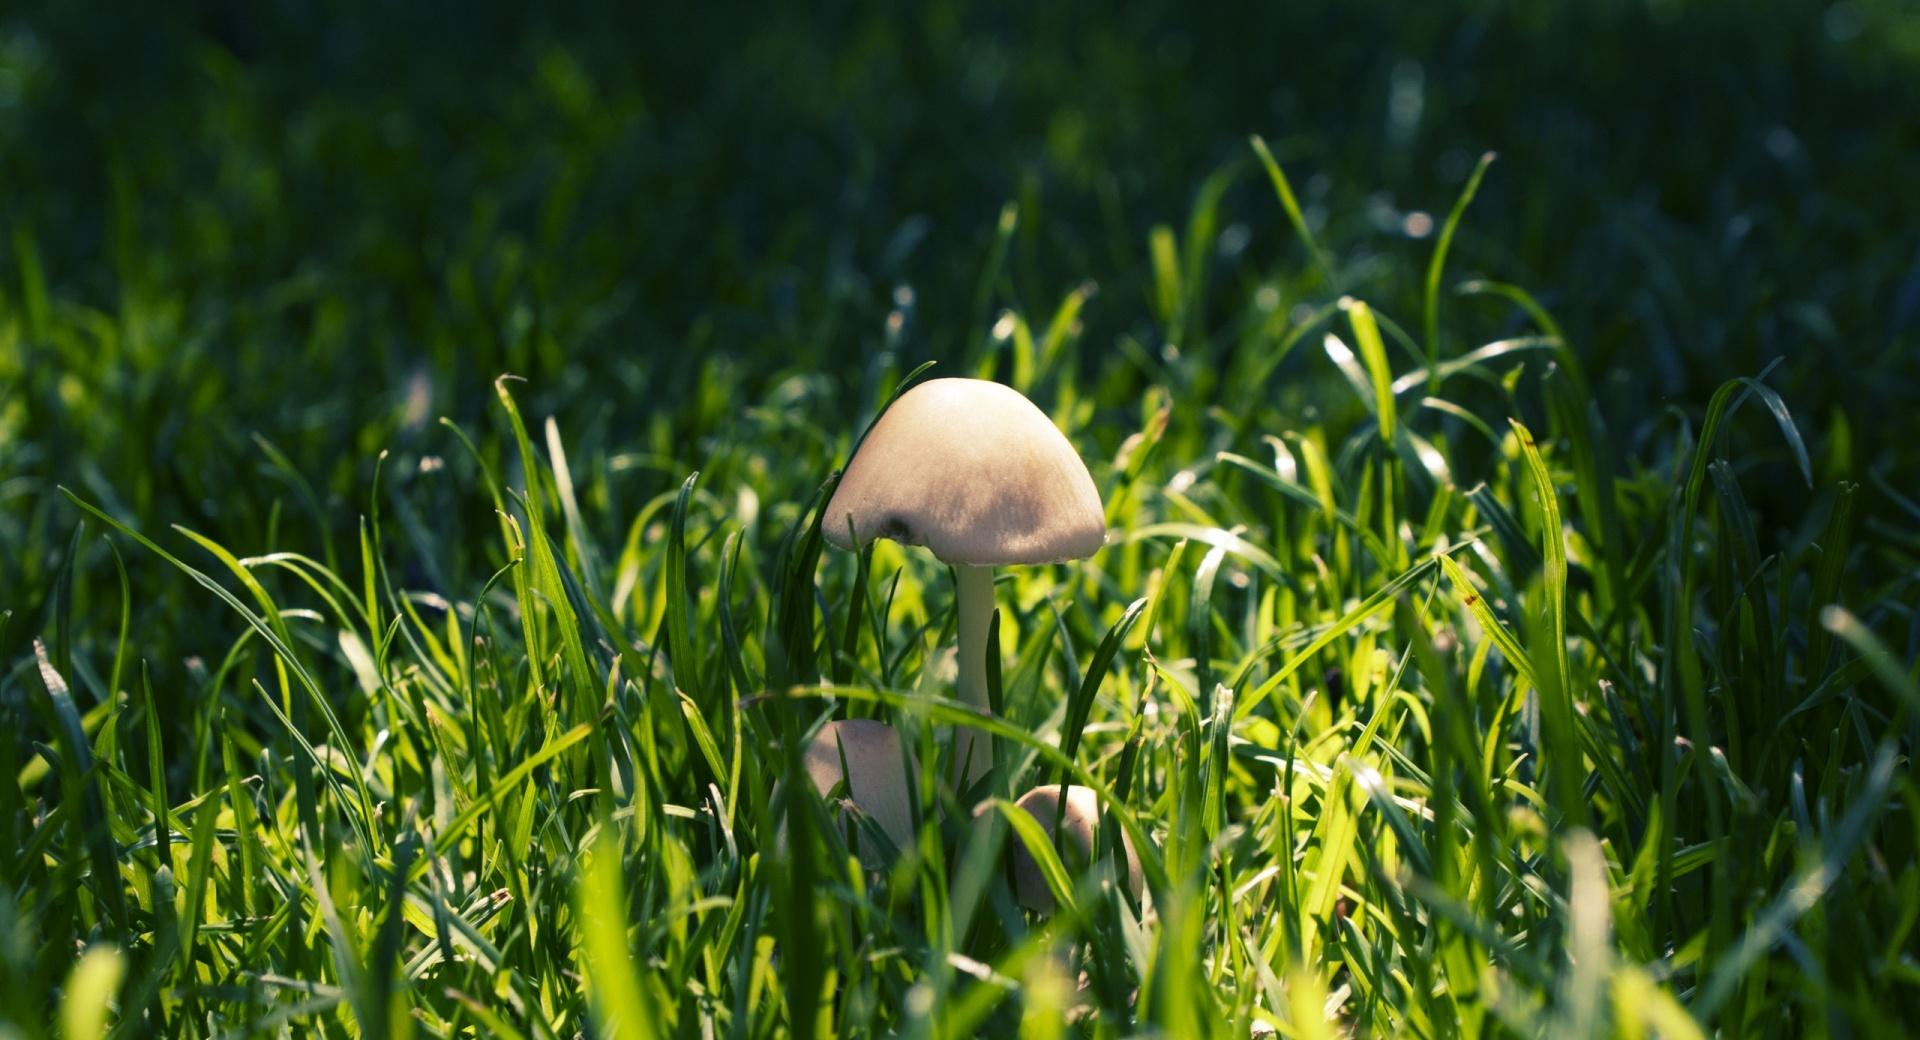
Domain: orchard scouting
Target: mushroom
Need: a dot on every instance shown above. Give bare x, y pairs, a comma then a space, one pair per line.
973, 471
877, 770
1081, 819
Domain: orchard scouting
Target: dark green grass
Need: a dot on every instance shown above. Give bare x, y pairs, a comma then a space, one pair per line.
1451, 679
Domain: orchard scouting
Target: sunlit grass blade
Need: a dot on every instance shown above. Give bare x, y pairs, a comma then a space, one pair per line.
620, 999
1441, 246
89, 993
1291, 206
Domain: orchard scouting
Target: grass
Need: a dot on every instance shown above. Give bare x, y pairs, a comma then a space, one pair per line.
1448, 679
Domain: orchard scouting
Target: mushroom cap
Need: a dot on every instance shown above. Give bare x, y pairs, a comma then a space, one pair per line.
877, 766
1080, 820
973, 471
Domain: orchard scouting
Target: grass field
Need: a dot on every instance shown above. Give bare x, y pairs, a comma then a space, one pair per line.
415, 424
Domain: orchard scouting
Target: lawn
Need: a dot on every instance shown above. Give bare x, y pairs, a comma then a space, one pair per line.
417, 427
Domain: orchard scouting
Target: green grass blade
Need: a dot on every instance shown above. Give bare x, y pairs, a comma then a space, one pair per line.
1441, 246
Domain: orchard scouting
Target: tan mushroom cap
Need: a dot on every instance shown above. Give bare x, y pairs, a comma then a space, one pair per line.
975, 472
1082, 817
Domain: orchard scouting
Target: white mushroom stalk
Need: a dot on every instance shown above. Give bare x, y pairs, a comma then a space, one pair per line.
973, 602
976, 473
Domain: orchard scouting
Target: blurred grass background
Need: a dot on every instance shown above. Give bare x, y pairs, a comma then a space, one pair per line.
326, 219
251, 246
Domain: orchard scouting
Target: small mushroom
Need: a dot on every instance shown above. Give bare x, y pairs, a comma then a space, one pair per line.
878, 770
1075, 845
973, 471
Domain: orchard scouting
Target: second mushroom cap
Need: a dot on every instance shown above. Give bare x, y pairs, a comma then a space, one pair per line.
1075, 830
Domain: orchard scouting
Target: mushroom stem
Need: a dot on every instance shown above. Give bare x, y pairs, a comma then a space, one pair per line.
975, 605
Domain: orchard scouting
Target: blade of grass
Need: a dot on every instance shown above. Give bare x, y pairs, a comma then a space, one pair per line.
1441, 246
